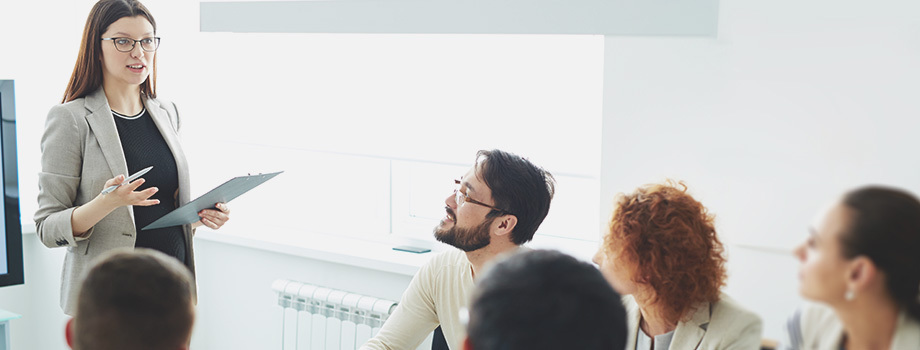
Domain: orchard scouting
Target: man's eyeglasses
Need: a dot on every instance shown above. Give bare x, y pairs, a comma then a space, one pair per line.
127, 44
462, 197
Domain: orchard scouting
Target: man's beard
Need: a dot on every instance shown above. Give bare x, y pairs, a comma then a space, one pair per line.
465, 239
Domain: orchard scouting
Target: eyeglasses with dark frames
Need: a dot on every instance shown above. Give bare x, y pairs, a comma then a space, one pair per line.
127, 44
462, 197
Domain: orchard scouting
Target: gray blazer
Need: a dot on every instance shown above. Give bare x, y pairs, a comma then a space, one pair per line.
80, 151
723, 325
816, 327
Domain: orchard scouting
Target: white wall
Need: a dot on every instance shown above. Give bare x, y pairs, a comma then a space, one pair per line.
236, 304
792, 104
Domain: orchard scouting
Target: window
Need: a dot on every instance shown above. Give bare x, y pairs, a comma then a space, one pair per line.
371, 130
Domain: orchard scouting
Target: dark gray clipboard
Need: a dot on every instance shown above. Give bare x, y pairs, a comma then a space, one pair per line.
224, 193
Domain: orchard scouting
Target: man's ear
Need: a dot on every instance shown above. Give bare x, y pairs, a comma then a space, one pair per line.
466, 344
504, 224
68, 332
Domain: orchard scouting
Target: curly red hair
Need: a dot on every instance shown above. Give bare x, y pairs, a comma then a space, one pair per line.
670, 239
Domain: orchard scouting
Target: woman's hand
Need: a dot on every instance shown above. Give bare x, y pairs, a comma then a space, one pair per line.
88, 215
126, 195
213, 219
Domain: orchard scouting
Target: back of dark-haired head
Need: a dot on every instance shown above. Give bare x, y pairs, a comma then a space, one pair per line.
885, 227
135, 299
545, 300
87, 71
518, 186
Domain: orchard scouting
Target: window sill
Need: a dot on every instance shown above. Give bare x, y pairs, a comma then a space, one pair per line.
367, 254
344, 250
363, 253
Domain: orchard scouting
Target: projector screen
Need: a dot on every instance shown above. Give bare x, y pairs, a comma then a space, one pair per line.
11, 272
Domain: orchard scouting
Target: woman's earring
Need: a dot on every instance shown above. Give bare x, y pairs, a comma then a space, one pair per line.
849, 295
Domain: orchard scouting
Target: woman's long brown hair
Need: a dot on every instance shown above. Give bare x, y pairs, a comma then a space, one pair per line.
87, 72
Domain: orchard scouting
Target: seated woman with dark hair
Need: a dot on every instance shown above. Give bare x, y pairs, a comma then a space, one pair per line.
861, 262
663, 254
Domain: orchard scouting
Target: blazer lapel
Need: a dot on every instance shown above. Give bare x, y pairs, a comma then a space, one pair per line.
632, 321
689, 334
102, 122
165, 125
907, 333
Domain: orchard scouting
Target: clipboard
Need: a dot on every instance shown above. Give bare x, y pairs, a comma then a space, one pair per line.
224, 193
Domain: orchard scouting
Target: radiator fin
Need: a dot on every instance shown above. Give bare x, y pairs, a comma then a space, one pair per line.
319, 318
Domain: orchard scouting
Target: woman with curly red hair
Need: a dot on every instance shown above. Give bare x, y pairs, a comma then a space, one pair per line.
663, 255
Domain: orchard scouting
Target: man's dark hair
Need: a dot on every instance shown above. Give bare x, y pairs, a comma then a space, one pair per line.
135, 299
518, 187
545, 299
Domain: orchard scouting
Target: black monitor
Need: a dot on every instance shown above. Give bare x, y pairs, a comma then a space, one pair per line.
11, 272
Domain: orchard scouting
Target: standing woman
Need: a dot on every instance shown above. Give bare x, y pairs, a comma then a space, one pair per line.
861, 263
111, 124
663, 254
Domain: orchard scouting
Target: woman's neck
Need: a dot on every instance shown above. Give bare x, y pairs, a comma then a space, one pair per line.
124, 99
652, 322
869, 322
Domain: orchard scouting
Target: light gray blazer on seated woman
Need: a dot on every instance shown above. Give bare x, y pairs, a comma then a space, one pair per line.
723, 325
80, 152
816, 327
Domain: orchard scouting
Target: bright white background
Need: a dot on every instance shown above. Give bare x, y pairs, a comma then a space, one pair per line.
792, 104
379, 126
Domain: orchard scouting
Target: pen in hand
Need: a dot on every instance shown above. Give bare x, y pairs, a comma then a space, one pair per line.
133, 177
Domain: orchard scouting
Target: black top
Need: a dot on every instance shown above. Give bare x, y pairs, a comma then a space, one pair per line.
144, 146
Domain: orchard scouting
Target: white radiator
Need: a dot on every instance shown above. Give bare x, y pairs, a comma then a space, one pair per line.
318, 318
